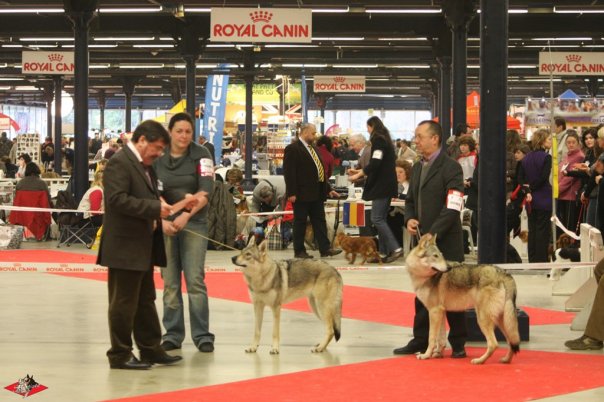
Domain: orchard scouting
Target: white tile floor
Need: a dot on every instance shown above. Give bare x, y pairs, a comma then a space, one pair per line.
55, 328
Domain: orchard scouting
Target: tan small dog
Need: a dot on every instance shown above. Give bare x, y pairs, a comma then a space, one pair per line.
363, 245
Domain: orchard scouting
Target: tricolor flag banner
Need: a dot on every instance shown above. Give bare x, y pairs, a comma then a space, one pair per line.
354, 213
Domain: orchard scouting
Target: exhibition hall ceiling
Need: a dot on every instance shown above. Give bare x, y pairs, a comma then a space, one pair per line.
394, 44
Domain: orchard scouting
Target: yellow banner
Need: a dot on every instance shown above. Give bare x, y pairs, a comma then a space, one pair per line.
263, 94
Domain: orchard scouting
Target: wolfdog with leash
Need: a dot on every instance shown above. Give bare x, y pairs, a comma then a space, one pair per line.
456, 287
274, 283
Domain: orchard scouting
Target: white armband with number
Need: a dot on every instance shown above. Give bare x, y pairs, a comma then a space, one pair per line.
377, 154
455, 200
206, 167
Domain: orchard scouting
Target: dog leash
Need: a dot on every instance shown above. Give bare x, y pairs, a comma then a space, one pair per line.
212, 240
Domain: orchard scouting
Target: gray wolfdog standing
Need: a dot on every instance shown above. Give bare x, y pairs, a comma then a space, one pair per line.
274, 283
441, 287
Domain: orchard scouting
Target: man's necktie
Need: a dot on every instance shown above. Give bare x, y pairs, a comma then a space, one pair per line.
315, 157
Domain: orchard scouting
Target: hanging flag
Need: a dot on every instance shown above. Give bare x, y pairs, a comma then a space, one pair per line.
215, 107
354, 213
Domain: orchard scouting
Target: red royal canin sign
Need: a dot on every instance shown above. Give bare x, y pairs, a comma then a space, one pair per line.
45, 63
571, 63
268, 25
339, 83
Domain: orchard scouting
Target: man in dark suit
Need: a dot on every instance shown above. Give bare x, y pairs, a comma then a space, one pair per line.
307, 187
131, 244
210, 147
433, 205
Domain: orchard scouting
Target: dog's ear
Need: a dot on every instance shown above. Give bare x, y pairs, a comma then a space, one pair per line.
425, 240
263, 247
251, 241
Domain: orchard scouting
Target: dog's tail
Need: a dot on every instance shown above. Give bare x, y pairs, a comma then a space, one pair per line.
337, 319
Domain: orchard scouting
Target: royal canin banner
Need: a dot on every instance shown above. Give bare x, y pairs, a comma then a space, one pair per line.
571, 63
257, 25
45, 63
339, 83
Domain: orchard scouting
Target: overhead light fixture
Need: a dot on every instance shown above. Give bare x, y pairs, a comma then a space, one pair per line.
10, 78
411, 66
402, 39
575, 10
93, 46
98, 66
522, 66
304, 65
26, 88
565, 38
197, 9
4, 65
552, 45
147, 66
128, 10
39, 39
286, 46
344, 38
403, 10
165, 38
30, 10
124, 38
36, 46
354, 65
154, 45
220, 45
331, 10
15, 45
512, 11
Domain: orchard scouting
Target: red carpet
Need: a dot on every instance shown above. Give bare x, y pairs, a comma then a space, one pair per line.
532, 375
46, 256
360, 303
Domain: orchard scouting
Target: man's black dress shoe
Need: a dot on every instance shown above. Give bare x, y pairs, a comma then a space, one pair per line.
161, 359
459, 353
302, 254
132, 364
393, 256
330, 253
410, 349
167, 346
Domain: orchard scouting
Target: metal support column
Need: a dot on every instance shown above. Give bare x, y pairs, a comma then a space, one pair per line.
80, 13
445, 97
248, 183
102, 101
58, 81
129, 85
190, 62
459, 14
492, 236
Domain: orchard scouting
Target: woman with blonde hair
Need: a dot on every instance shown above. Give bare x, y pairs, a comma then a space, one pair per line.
92, 201
534, 176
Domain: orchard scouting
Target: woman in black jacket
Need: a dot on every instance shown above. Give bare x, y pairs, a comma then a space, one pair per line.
381, 185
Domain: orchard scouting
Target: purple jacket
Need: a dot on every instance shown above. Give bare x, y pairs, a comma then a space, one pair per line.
537, 166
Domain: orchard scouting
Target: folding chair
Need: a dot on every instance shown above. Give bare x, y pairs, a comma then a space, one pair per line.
76, 229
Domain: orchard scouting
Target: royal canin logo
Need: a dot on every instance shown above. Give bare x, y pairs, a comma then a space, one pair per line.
55, 57
573, 58
339, 79
264, 16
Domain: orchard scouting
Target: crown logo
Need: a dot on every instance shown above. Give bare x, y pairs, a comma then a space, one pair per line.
573, 58
55, 57
259, 15
339, 79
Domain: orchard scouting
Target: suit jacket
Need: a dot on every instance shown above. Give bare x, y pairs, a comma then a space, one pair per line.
445, 174
132, 207
381, 171
301, 176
